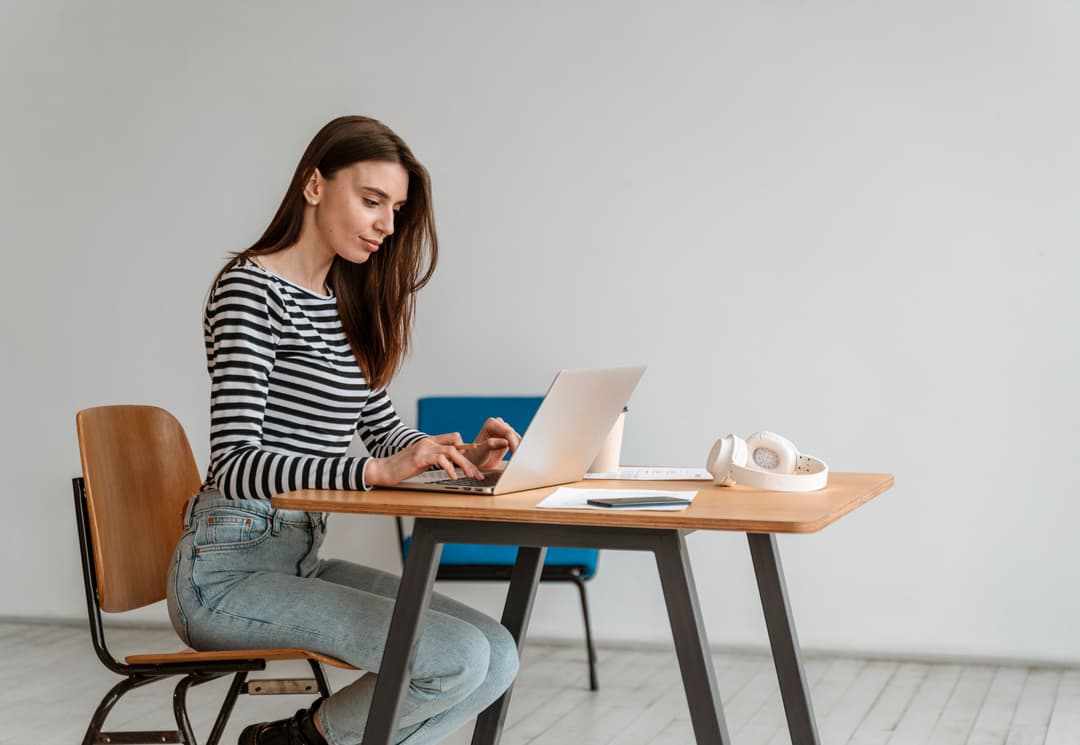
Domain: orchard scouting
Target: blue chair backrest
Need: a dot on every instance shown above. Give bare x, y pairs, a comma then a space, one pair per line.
437, 415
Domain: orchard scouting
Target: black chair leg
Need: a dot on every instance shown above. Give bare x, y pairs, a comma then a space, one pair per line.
97, 721
183, 724
320, 678
593, 685
226, 708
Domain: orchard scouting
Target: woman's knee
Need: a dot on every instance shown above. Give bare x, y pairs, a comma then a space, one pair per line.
453, 658
503, 662
481, 656
503, 658
476, 652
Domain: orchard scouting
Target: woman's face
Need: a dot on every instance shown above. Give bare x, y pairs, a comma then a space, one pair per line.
354, 211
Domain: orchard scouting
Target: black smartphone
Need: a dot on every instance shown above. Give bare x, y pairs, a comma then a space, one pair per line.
636, 501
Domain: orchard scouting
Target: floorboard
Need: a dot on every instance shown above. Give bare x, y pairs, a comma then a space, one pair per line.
640, 701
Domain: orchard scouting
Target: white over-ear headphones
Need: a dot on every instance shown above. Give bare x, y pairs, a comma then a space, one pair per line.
765, 460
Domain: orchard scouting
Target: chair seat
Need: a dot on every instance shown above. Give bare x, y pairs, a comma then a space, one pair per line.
235, 655
458, 554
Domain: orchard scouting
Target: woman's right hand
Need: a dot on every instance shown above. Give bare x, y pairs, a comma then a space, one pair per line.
420, 456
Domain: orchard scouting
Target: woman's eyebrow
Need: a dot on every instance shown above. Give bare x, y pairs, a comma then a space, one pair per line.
380, 192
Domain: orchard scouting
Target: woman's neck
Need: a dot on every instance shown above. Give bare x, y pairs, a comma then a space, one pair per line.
300, 264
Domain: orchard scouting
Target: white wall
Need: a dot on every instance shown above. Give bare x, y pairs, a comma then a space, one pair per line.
853, 223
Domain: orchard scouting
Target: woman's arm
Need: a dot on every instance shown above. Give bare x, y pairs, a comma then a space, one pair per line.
243, 322
381, 430
399, 451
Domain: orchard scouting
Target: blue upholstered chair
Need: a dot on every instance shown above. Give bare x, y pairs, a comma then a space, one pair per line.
466, 414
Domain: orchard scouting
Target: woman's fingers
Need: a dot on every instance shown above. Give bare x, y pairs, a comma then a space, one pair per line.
444, 463
467, 465
450, 438
447, 457
430, 452
497, 427
512, 437
495, 438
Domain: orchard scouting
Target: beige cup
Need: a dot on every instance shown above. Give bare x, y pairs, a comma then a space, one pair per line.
607, 460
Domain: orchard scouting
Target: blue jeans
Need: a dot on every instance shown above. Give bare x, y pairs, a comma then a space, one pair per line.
247, 576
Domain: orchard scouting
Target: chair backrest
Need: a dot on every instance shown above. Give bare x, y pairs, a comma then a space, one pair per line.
467, 414
138, 472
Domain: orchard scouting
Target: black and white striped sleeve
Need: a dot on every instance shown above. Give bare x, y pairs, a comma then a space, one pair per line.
242, 326
381, 429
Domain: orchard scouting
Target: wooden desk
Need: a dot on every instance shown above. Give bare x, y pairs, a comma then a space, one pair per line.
447, 518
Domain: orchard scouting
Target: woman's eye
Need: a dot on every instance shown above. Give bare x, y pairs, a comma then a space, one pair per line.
371, 203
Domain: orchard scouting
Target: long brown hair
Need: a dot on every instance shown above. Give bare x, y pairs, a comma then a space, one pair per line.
376, 300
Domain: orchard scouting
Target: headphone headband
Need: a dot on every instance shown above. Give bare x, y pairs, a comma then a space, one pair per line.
811, 475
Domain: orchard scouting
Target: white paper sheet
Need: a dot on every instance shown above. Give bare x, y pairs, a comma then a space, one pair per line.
654, 473
566, 497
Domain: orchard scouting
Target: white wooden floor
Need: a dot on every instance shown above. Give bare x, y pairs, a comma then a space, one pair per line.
50, 682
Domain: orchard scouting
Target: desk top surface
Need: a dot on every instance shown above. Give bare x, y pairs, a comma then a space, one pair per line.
737, 508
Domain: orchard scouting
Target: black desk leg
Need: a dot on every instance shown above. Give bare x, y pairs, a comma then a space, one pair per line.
515, 617
691, 645
782, 639
413, 595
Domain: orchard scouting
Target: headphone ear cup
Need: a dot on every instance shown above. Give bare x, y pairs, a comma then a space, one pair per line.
768, 451
726, 452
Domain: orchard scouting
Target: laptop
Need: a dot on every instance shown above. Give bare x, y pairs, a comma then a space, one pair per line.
560, 442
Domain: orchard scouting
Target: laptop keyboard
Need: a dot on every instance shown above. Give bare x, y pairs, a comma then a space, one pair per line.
488, 480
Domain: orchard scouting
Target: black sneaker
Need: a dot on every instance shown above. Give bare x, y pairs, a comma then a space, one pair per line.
299, 729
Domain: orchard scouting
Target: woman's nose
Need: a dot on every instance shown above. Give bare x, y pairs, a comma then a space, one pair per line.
385, 224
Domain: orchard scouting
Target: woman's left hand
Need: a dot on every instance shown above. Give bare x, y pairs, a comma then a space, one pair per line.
495, 438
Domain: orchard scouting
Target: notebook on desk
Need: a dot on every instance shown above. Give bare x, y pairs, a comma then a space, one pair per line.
560, 442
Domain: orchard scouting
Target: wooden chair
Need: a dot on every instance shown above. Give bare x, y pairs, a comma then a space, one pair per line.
138, 474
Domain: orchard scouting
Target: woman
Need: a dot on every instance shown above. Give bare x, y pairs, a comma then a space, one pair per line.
303, 331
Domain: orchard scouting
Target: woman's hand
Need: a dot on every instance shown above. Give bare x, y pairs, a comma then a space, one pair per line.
419, 457
495, 438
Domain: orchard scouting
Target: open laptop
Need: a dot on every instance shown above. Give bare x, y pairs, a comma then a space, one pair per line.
562, 439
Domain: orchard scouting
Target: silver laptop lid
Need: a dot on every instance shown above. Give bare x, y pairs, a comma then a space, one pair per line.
567, 430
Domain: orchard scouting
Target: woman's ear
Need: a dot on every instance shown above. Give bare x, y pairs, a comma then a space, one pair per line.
314, 187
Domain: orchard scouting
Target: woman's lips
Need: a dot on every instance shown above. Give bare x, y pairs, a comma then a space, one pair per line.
373, 245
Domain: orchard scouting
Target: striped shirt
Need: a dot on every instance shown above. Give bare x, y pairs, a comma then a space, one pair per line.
286, 393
